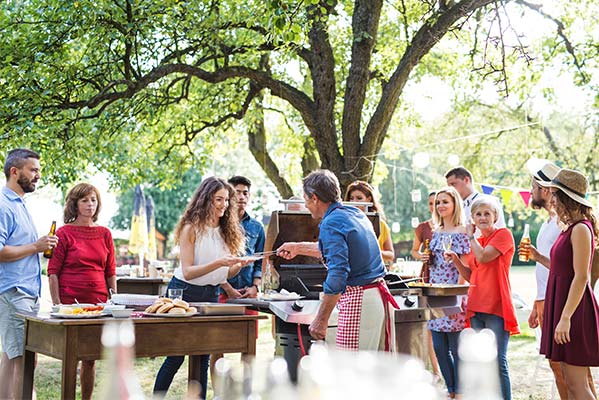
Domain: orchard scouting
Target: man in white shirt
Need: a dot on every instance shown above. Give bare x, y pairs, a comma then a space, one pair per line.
541, 199
461, 179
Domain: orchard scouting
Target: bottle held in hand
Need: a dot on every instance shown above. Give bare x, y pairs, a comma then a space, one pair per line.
427, 250
49, 252
524, 255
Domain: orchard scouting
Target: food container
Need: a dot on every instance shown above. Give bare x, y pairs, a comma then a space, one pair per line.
130, 299
219, 308
433, 289
122, 313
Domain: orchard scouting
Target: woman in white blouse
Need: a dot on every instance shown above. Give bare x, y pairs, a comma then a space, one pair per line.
211, 240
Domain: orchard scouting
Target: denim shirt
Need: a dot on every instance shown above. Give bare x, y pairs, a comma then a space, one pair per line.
349, 248
17, 229
254, 243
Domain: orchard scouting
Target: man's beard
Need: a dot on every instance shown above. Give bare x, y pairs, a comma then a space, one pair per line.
538, 204
27, 185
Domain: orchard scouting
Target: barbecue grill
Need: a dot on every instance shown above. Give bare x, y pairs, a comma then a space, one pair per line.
305, 276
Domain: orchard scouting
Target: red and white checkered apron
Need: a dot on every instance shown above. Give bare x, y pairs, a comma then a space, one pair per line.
350, 311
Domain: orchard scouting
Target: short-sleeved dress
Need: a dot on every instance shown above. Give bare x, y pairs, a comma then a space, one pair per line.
583, 349
444, 271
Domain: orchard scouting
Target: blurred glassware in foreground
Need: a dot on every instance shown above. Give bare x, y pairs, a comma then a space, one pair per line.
479, 377
328, 374
118, 339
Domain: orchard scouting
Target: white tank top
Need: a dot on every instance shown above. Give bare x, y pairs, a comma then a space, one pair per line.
208, 246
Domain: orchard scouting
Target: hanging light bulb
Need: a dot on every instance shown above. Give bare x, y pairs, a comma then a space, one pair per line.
415, 222
453, 160
510, 222
421, 160
395, 227
416, 195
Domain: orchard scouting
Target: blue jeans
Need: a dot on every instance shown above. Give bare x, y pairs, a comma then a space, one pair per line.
171, 364
495, 323
446, 349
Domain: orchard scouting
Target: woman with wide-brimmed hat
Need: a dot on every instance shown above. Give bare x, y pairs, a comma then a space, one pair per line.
571, 323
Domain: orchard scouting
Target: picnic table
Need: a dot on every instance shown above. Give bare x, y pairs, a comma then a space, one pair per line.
71, 340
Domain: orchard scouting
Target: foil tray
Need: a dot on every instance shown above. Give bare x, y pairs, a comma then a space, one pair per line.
205, 308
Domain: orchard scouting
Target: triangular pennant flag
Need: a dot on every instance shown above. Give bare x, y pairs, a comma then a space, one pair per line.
487, 189
506, 195
525, 197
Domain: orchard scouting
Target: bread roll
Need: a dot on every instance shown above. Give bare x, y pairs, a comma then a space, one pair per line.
192, 310
177, 310
164, 308
181, 303
154, 307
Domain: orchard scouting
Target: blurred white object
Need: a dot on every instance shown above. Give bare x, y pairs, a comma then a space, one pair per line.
327, 374
478, 365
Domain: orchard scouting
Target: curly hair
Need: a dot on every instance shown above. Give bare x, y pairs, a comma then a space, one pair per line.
368, 191
200, 208
76, 193
570, 211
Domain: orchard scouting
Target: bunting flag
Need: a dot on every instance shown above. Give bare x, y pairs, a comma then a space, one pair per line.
487, 189
506, 195
525, 197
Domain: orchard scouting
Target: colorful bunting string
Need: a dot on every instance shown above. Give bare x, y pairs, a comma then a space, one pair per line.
525, 197
487, 189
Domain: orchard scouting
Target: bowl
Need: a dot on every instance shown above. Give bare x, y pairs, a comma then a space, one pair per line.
124, 313
108, 306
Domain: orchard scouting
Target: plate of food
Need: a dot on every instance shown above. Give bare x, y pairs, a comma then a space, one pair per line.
164, 307
70, 312
170, 315
283, 295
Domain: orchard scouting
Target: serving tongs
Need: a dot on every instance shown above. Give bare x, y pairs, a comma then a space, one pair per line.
261, 254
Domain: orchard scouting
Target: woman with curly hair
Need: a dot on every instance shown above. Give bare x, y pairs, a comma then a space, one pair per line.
360, 191
211, 241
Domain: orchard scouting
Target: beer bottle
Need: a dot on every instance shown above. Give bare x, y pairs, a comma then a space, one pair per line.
523, 257
427, 250
49, 252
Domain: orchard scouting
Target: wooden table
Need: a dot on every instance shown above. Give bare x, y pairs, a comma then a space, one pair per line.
141, 285
71, 340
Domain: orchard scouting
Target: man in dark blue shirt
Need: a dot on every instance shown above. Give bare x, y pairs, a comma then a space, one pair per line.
348, 246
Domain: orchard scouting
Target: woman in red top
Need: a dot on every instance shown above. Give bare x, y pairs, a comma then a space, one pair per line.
490, 295
83, 266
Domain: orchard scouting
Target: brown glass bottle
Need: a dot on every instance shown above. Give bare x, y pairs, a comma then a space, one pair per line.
49, 252
427, 250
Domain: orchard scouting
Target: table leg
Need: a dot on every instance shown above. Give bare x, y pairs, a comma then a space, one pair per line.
27, 378
69, 375
251, 337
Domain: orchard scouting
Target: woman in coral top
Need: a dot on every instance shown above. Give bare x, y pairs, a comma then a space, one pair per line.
83, 267
490, 295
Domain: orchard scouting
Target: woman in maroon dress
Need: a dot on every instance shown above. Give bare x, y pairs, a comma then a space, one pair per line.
571, 324
82, 268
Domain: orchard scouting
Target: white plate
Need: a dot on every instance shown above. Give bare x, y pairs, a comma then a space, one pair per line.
251, 258
77, 316
280, 297
167, 315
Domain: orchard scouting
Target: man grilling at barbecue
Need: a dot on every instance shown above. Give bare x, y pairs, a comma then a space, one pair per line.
348, 247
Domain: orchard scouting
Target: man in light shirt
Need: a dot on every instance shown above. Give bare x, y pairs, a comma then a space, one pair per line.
20, 271
461, 179
541, 199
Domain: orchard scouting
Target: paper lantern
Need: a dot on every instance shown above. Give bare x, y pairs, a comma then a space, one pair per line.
415, 222
416, 195
395, 227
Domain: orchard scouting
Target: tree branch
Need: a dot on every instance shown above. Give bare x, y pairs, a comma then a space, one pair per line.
561, 33
365, 22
